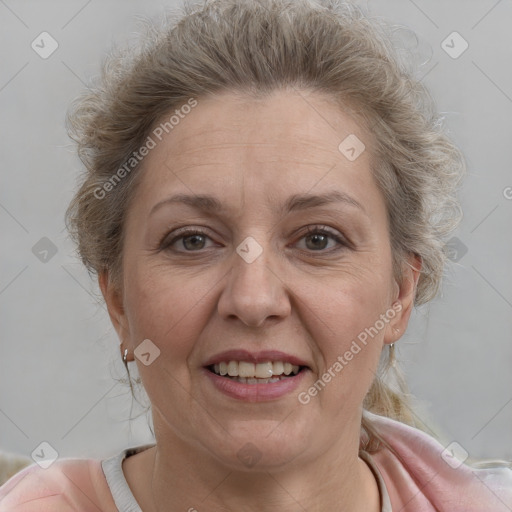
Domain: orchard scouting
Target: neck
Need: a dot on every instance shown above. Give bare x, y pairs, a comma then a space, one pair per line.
183, 478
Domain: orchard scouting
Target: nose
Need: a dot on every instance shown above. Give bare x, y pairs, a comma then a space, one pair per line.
254, 292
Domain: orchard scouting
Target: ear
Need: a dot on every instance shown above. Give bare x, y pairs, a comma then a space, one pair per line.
114, 302
404, 300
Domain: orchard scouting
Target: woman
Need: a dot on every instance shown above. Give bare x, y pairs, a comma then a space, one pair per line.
266, 199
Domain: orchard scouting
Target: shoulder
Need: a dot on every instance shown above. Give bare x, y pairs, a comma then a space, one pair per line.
68, 485
422, 474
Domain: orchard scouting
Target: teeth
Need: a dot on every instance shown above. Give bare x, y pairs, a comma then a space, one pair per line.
233, 369
264, 370
245, 369
258, 381
277, 368
251, 373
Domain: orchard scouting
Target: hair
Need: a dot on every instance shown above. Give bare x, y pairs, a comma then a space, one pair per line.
256, 47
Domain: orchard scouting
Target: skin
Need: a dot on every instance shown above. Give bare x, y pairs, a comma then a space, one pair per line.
303, 296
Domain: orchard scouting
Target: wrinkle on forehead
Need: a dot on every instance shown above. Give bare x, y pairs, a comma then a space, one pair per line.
286, 122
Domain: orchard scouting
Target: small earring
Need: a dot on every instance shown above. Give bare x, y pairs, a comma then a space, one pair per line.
125, 358
392, 353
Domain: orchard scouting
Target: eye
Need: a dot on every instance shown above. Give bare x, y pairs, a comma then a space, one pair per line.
317, 239
185, 240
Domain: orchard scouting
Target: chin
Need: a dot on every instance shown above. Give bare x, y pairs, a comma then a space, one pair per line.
261, 445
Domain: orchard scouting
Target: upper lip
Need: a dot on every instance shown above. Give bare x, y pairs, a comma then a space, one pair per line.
255, 357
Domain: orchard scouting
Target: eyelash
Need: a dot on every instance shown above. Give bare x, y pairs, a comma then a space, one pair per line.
311, 230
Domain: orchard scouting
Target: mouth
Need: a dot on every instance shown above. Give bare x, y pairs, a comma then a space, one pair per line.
255, 377
247, 372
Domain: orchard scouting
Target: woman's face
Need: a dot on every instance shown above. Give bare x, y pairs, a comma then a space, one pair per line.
255, 245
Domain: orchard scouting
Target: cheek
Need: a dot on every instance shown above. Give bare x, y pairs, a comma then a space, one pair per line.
350, 319
165, 309
351, 316
350, 299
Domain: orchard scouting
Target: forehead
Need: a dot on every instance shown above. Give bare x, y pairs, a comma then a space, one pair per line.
306, 119
289, 139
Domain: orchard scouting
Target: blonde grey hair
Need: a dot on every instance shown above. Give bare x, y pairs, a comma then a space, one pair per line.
257, 47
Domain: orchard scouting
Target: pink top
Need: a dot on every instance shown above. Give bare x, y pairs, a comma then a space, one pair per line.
421, 476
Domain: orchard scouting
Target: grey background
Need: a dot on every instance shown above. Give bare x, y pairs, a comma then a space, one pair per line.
59, 357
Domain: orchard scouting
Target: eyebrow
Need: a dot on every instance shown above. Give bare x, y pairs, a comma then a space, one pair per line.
296, 202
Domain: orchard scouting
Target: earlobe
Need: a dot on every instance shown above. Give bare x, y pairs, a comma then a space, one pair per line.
405, 298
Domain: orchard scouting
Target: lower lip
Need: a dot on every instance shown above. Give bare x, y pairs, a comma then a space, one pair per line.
255, 392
